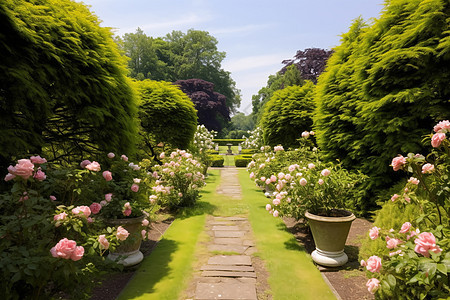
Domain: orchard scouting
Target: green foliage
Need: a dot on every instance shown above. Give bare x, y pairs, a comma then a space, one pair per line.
167, 115
291, 76
224, 142
216, 160
383, 87
249, 151
242, 160
287, 114
63, 83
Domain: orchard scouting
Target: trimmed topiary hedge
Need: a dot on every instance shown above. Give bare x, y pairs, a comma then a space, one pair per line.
249, 151
224, 142
242, 160
216, 160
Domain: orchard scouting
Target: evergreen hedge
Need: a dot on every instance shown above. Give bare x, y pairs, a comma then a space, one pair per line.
242, 160
224, 142
384, 87
216, 160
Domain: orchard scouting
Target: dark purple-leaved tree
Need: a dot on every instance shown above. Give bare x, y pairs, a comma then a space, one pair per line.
311, 62
212, 110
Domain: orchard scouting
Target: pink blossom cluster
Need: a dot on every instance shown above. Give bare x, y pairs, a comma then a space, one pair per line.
122, 234
25, 168
278, 148
67, 249
126, 209
440, 130
306, 134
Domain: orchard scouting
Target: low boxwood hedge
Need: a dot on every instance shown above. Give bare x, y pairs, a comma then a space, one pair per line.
249, 151
224, 142
242, 160
216, 160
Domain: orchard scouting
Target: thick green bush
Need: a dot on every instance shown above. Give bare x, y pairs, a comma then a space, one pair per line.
224, 142
384, 87
216, 160
287, 114
242, 160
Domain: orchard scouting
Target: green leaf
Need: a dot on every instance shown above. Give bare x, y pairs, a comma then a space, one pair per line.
442, 268
392, 281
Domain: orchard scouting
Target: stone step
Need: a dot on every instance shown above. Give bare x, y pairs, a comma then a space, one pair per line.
231, 241
227, 268
228, 274
226, 228
228, 234
228, 248
226, 291
236, 260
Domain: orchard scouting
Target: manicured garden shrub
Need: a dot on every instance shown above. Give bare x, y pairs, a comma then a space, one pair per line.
64, 87
287, 114
224, 142
249, 151
242, 160
167, 115
202, 146
383, 87
217, 160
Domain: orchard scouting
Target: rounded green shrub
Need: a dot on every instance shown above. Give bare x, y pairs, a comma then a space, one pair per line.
242, 160
287, 114
217, 160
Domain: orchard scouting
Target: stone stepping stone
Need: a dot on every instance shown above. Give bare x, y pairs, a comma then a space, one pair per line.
236, 260
246, 243
230, 228
230, 241
228, 248
220, 223
228, 234
228, 274
227, 268
235, 219
239, 291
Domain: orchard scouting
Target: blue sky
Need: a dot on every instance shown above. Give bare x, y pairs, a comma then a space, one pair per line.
256, 35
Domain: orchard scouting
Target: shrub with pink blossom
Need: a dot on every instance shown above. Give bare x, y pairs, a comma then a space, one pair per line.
178, 180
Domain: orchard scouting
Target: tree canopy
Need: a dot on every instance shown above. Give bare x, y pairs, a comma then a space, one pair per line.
385, 86
180, 56
167, 115
287, 114
211, 106
63, 84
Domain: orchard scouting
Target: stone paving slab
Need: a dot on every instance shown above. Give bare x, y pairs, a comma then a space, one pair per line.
221, 223
247, 243
228, 248
228, 234
226, 291
228, 274
227, 268
230, 260
230, 241
235, 219
230, 228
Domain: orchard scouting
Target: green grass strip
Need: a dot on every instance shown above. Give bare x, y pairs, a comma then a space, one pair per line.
292, 272
165, 273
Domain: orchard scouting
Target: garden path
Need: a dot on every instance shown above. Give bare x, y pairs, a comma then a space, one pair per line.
229, 272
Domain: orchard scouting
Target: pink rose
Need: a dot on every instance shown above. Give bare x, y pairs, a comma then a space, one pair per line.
127, 212
321, 181
303, 182
373, 285
268, 181
312, 133
394, 197
84, 163
77, 254
24, 168
104, 244
252, 175
288, 177
276, 201
363, 263
61, 216
427, 168
90, 220
135, 187
111, 155
395, 253
325, 172
39, 175
95, 208
373, 264
93, 166
413, 233
145, 223
162, 155
442, 126
374, 232
273, 178
122, 233
392, 243
108, 197
103, 203
398, 162
413, 180
53, 198
437, 139
268, 207
38, 160
292, 168
124, 157
305, 134
426, 242
275, 213
263, 178
9, 177
312, 166
405, 227
64, 248
107, 175
84, 210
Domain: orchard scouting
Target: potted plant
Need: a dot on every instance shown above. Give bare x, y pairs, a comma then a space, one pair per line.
322, 194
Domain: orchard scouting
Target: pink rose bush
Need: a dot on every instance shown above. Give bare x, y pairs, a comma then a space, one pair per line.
67, 249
